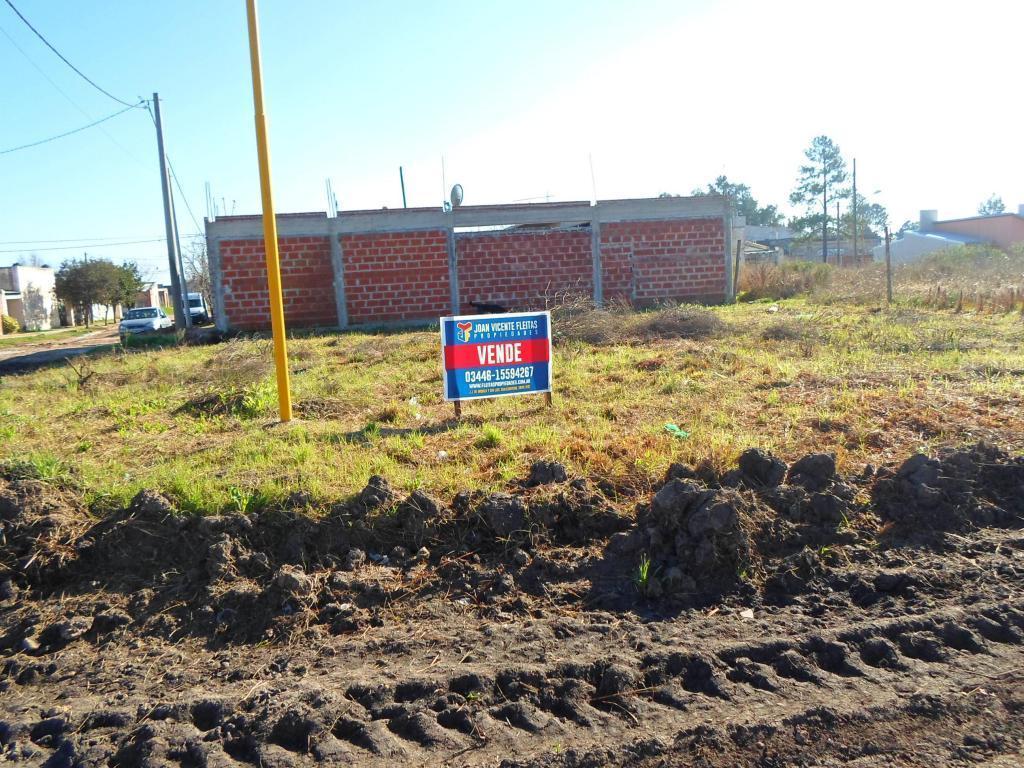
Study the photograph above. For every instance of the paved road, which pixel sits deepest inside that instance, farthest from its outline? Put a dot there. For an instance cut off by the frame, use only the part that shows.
(34, 354)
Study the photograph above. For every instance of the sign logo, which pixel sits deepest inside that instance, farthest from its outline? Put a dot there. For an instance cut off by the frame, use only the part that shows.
(496, 355)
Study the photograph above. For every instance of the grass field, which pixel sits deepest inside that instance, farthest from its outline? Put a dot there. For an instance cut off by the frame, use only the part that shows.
(198, 423)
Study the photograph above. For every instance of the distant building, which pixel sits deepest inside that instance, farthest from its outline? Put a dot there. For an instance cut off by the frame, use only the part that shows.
(153, 295)
(29, 296)
(1001, 230)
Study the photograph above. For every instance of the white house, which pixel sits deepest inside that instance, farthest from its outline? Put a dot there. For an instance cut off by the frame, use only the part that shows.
(29, 296)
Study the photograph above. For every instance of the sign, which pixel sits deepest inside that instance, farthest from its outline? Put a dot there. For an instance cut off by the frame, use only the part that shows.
(496, 355)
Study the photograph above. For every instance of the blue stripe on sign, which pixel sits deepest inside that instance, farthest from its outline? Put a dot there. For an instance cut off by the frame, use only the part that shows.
(459, 388)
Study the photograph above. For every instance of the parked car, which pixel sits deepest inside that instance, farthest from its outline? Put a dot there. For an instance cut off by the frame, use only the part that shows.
(197, 308)
(142, 320)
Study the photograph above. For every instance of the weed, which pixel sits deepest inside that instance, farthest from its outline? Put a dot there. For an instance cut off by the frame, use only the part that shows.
(642, 577)
(246, 500)
(490, 437)
(38, 466)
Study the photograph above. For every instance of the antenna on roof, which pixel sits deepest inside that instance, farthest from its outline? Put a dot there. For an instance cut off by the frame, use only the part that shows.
(456, 196)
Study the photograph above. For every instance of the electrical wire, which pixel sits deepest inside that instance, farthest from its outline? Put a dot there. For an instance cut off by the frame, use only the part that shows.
(60, 90)
(82, 246)
(106, 93)
(69, 133)
(184, 197)
(84, 240)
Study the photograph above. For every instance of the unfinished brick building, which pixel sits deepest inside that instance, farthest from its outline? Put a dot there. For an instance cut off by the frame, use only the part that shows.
(381, 267)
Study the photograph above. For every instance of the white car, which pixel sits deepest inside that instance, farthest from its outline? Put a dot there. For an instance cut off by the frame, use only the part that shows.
(142, 320)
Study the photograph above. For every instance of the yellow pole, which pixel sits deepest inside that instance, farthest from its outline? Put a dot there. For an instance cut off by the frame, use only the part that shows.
(284, 394)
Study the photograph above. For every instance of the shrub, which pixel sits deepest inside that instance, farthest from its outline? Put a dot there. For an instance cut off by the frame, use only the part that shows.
(783, 281)
(620, 324)
(10, 325)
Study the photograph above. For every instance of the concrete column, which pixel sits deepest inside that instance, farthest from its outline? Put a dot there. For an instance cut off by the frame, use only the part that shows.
(595, 255)
(730, 246)
(453, 267)
(216, 282)
(338, 265)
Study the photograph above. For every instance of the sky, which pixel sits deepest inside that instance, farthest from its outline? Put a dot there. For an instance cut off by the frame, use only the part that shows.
(526, 100)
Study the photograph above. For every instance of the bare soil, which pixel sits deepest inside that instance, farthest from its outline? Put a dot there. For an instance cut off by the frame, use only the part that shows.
(774, 615)
(38, 350)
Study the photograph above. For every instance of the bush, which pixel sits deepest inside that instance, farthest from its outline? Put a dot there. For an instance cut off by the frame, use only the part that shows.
(620, 324)
(768, 281)
(10, 324)
(982, 272)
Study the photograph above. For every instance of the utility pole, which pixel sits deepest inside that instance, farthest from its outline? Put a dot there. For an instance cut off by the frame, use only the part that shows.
(839, 245)
(855, 209)
(888, 266)
(172, 241)
(824, 210)
(181, 265)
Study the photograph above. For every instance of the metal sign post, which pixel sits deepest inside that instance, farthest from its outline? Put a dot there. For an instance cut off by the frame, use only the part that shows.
(284, 395)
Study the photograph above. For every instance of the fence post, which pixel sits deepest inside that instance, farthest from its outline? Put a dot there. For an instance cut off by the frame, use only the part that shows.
(736, 270)
(888, 267)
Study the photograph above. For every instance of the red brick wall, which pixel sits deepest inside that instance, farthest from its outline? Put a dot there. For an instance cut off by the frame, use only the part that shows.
(399, 276)
(651, 261)
(396, 276)
(307, 282)
(518, 269)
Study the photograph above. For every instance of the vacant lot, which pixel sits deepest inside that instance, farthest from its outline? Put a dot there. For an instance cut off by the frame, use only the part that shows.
(199, 423)
(574, 586)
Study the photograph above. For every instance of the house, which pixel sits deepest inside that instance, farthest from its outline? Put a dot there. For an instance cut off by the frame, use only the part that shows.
(29, 296)
(1001, 230)
(153, 295)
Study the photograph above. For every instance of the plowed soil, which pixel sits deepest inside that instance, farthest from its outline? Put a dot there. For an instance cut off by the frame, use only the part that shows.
(776, 615)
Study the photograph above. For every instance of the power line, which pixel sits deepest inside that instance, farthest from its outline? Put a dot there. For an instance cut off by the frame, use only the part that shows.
(59, 54)
(60, 90)
(82, 246)
(62, 240)
(184, 197)
(69, 133)
(79, 245)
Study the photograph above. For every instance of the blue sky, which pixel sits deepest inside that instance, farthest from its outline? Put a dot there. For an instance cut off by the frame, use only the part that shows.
(517, 96)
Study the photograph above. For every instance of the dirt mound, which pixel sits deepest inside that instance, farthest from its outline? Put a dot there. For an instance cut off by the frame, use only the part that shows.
(959, 489)
(746, 530)
(765, 528)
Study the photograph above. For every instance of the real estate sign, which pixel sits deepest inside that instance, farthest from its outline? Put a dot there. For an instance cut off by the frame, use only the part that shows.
(496, 355)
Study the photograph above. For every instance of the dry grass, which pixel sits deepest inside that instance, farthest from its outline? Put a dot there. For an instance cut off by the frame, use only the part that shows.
(578, 320)
(869, 384)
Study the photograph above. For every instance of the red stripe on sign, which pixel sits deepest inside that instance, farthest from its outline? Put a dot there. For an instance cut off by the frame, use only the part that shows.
(487, 355)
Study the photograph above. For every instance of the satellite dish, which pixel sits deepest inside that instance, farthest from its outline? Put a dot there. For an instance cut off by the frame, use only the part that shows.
(456, 196)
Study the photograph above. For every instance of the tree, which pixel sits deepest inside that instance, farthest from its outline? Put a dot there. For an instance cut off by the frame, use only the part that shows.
(871, 217)
(746, 205)
(908, 226)
(197, 270)
(992, 207)
(88, 282)
(818, 186)
(127, 284)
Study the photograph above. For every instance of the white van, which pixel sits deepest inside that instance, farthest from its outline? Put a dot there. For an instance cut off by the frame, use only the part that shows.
(198, 309)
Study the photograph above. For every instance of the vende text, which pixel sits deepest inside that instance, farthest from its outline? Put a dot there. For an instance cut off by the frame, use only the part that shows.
(495, 354)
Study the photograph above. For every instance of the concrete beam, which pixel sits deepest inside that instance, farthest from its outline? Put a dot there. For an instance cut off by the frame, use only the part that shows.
(412, 219)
